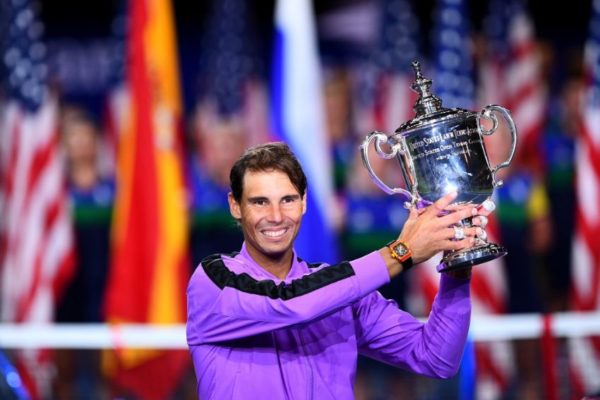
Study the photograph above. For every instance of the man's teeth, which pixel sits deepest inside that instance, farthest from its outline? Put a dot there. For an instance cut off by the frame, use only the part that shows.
(274, 233)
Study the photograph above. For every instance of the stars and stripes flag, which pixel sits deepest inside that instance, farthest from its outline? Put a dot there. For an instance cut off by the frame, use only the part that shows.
(496, 367)
(492, 63)
(511, 73)
(385, 98)
(525, 90)
(453, 82)
(585, 352)
(149, 262)
(298, 119)
(37, 252)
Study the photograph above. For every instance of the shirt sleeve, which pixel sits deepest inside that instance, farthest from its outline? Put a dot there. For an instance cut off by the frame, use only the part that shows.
(433, 348)
(223, 305)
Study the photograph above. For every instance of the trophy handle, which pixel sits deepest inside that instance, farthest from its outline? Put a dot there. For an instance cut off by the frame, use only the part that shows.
(380, 138)
(488, 113)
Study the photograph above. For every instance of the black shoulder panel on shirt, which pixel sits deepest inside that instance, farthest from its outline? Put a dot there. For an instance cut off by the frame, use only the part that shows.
(310, 265)
(216, 270)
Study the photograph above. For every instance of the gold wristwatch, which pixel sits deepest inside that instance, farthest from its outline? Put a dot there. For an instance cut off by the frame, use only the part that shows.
(401, 253)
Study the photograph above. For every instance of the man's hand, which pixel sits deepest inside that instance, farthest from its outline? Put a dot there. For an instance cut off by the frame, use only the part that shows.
(431, 230)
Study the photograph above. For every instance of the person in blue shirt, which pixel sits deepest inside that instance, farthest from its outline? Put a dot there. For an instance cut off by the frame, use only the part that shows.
(558, 149)
(215, 144)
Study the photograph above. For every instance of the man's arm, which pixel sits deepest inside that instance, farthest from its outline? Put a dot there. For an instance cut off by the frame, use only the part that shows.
(225, 306)
(434, 348)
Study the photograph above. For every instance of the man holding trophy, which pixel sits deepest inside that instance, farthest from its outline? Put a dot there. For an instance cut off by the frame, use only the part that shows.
(263, 322)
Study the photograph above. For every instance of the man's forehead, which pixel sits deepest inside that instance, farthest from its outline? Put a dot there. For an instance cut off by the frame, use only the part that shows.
(266, 183)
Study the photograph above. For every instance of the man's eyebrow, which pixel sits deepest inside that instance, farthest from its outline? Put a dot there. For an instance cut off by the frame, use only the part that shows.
(257, 198)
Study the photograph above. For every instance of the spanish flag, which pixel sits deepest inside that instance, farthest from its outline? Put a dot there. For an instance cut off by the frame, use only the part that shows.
(149, 266)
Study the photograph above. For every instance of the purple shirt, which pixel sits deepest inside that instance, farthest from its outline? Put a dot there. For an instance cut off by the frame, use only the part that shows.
(252, 335)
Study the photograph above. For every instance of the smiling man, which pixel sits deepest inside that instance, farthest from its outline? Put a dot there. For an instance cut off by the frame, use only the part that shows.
(263, 323)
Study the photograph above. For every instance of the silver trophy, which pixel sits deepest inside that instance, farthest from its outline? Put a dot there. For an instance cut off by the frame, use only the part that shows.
(442, 150)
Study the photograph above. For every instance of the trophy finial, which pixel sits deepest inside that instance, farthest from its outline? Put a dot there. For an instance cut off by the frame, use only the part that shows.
(427, 103)
(417, 67)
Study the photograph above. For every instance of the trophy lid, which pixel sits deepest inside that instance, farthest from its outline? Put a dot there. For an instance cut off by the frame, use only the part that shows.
(428, 107)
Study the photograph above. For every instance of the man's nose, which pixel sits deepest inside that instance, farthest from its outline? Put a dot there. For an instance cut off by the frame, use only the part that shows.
(275, 214)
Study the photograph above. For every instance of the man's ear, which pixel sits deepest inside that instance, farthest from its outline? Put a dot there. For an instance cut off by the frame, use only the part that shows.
(234, 207)
(304, 203)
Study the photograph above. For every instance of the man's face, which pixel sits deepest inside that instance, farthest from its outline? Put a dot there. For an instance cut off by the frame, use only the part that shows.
(270, 212)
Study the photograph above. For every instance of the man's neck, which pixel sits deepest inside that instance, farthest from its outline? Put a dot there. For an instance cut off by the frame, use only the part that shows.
(276, 265)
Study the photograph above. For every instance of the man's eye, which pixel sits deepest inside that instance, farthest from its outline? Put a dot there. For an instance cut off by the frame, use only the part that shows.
(259, 202)
(288, 200)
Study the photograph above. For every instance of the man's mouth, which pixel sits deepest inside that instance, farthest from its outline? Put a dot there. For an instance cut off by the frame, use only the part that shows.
(275, 233)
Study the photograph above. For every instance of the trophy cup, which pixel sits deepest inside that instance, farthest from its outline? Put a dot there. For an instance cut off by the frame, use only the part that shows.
(442, 150)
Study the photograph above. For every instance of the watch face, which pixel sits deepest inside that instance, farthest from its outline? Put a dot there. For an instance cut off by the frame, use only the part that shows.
(401, 249)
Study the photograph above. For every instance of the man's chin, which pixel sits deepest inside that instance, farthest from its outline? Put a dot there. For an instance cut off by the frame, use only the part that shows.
(276, 254)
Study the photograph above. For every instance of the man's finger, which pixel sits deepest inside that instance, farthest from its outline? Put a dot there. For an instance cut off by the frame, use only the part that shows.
(487, 207)
(458, 206)
(443, 202)
(456, 216)
(452, 234)
(480, 220)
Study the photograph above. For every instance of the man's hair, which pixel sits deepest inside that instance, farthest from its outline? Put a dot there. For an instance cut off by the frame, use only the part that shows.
(274, 156)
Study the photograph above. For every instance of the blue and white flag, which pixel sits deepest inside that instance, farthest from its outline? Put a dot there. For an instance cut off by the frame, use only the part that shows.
(299, 120)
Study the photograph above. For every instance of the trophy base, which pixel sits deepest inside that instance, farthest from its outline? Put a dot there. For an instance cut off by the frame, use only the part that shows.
(466, 258)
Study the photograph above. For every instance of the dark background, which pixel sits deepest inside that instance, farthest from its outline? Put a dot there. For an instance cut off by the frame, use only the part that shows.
(562, 27)
(560, 22)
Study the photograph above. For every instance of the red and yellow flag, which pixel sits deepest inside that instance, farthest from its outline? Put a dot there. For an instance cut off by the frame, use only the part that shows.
(149, 268)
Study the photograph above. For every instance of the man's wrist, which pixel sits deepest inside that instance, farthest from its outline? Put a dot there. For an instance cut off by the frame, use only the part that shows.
(401, 252)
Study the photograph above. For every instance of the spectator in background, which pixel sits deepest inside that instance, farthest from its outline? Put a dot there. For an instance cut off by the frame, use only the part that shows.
(525, 230)
(343, 142)
(216, 144)
(559, 151)
(91, 195)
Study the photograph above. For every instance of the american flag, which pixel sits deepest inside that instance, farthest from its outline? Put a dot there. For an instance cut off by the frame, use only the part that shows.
(385, 98)
(511, 74)
(491, 88)
(38, 253)
(232, 85)
(525, 90)
(585, 352)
